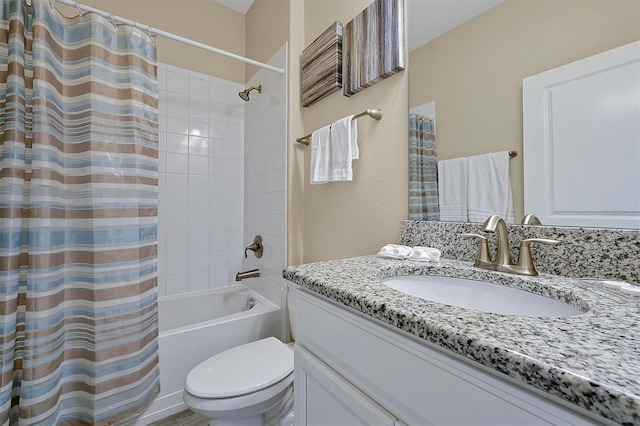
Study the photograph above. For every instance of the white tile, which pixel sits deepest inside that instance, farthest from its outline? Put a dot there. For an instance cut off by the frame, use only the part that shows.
(177, 103)
(217, 222)
(177, 243)
(198, 184)
(218, 204)
(198, 261)
(235, 222)
(177, 264)
(198, 243)
(162, 225)
(199, 107)
(218, 130)
(235, 186)
(179, 70)
(199, 86)
(218, 259)
(177, 123)
(198, 224)
(177, 224)
(198, 281)
(218, 184)
(162, 183)
(234, 240)
(177, 82)
(198, 165)
(236, 168)
(177, 163)
(177, 183)
(198, 127)
(198, 204)
(162, 203)
(218, 92)
(218, 278)
(236, 150)
(177, 284)
(162, 245)
(219, 148)
(199, 145)
(177, 143)
(236, 114)
(236, 132)
(219, 111)
(217, 241)
(162, 77)
(177, 204)
(162, 142)
(235, 204)
(218, 166)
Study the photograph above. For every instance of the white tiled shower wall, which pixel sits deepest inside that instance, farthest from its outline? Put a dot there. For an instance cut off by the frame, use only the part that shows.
(222, 180)
(265, 178)
(201, 181)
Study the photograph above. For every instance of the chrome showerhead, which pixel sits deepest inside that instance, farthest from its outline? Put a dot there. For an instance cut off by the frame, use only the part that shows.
(244, 95)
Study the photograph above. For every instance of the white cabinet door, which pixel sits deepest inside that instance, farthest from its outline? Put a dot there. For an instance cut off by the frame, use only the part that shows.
(582, 141)
(324, 398)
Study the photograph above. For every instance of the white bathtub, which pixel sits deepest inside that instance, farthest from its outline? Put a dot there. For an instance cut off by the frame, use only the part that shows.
(197, 325)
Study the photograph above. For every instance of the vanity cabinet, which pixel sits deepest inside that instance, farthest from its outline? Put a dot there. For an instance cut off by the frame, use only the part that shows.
(350, 369)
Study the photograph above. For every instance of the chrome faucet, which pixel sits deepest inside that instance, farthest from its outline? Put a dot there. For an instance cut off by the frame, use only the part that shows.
(252, 273)
(502, 262)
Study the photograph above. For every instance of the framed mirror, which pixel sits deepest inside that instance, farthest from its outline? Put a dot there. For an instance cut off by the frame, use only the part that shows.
(473, 71)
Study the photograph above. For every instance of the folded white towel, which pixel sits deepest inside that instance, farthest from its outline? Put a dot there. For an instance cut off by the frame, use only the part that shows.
(320, 155)
(452, 189)
(395, 251)
(344, 149)
(424, 254)
(489, 186)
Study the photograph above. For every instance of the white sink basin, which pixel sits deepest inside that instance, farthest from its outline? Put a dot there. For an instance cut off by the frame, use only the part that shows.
(480, 295)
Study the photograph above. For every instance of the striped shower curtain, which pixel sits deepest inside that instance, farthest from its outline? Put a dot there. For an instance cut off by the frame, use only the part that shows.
(423, 169)
(78, 203)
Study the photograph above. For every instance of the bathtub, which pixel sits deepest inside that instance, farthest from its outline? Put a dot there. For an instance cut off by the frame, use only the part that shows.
(197, 325)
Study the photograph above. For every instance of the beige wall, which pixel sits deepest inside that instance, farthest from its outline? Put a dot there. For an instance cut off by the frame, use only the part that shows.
(267, 25)
(350, 218)
(201, 20)
(474, 72)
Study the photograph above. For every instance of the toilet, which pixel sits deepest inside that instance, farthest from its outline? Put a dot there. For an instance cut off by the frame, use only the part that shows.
(248, 385)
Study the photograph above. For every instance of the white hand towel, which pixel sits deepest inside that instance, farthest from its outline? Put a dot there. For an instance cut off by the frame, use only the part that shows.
(394, 251)
(424, 254)
(344, 149)
(320, 155)
(489, 187)
(452, 189)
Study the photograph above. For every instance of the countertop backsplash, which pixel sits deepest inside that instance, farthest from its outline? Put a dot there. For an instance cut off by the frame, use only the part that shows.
(612, 254)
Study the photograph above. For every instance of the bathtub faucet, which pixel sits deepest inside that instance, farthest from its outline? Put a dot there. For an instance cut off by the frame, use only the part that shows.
(253, 273)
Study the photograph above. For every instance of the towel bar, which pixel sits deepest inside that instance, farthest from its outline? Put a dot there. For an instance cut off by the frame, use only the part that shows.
(373, 113)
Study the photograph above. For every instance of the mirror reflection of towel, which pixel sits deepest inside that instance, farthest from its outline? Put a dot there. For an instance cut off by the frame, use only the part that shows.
(489, 187)
(452, 189)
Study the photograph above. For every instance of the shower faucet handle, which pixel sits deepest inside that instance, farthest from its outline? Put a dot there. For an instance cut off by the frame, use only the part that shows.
(257, 247)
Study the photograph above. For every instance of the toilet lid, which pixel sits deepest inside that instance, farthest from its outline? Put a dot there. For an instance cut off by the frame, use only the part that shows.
(241, 370)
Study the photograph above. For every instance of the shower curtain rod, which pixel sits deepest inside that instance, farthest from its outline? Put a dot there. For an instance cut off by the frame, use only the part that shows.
(170, 35)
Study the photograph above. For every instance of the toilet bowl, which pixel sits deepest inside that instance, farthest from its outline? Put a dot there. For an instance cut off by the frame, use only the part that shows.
(248, 385)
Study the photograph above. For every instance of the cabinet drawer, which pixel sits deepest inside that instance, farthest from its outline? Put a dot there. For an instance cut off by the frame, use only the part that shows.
(416, 383)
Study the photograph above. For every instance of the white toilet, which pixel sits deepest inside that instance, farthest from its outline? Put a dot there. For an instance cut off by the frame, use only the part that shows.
(249, 385)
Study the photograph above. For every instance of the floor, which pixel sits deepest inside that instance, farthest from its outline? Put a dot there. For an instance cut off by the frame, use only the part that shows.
(183, 418)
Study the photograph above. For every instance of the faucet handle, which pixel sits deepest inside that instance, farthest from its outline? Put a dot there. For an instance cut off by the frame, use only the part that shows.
(525, 261)
(483, 248)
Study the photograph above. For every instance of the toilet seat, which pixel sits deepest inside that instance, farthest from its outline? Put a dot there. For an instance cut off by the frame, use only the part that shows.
(242, 371)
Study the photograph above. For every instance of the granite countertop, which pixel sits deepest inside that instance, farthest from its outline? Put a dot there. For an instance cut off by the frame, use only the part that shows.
(591, 360)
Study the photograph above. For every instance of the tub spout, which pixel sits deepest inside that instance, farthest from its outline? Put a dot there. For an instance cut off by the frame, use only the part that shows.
(253, 273)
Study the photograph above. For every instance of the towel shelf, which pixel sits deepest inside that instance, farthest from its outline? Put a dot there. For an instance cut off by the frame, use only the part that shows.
(373, 113)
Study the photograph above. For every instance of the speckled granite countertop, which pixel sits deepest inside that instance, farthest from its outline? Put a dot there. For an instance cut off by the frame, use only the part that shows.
(591, 360)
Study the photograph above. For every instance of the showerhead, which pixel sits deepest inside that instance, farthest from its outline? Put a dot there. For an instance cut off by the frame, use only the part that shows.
(244, 95)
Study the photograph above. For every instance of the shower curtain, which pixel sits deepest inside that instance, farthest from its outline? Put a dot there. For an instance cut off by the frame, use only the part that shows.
(423, 169)
(78, 203)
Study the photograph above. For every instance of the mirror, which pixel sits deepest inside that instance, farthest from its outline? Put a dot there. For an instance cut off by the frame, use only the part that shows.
(473, 69)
